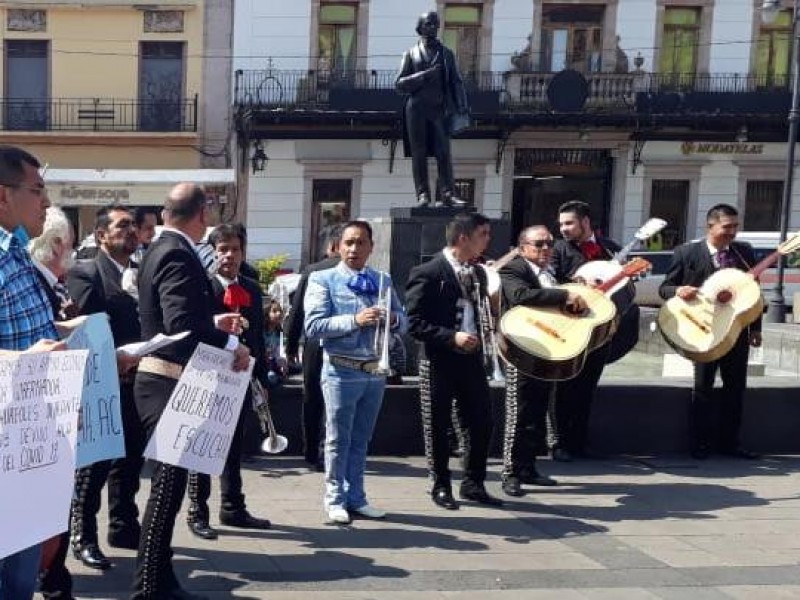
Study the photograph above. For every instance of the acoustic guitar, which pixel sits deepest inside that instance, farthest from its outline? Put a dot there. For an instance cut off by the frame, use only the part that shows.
(706, 328)
(551, 344)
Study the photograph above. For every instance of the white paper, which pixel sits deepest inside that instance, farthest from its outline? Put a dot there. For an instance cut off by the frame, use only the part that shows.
(40, 399)
(196, 428)
(158, 341)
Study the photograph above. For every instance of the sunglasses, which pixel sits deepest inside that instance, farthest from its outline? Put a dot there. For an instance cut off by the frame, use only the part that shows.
(541, 244)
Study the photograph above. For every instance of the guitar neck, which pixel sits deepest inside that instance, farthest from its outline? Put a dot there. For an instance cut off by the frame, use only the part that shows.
(765, 264)
(611, 282)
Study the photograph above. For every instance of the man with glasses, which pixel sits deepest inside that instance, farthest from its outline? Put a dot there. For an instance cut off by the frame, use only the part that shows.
(26, 318)
(527, 280)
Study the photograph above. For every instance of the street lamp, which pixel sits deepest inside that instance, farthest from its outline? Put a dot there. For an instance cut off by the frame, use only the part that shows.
(776, 310)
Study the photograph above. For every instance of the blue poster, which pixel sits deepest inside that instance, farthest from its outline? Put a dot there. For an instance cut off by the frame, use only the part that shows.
(100, 435)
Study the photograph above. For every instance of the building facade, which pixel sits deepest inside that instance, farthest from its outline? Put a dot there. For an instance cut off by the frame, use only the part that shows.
(110, 94)
(640, 107)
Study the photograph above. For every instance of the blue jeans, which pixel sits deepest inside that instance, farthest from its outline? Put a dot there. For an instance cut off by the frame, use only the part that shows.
(19, 574)
(352, 402)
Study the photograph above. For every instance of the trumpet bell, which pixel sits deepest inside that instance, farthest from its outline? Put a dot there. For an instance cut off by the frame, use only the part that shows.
(274, 444)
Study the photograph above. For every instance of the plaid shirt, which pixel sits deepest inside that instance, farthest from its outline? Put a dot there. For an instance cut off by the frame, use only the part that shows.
(25, 315)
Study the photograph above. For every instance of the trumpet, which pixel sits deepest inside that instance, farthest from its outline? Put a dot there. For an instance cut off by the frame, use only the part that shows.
(382, 329)
(488, 334)
(274, 443)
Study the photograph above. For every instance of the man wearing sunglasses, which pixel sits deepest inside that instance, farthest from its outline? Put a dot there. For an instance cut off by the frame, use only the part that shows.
(527, 280)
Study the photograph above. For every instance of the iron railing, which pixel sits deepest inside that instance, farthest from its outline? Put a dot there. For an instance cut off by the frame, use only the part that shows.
(516, 90)
(98, 114)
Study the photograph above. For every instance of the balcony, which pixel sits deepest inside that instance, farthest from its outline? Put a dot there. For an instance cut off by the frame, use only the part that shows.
(108, 115)
(511, 99)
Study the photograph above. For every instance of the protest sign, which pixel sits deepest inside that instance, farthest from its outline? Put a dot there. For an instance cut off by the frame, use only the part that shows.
(39, 406)
(101, 436)
(196, 427)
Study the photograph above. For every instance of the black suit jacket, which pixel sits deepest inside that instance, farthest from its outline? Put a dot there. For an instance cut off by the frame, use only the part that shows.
(96, 287)
(692, 265)
(175, 295)
(521, 287)
(253, 336)
(294, 322)
(567, 257)
(432, 292)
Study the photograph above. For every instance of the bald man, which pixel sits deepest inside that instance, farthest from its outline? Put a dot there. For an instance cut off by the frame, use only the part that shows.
(174, 295)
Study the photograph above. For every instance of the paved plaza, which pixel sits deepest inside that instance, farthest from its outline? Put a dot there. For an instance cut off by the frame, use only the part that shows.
(616, 529)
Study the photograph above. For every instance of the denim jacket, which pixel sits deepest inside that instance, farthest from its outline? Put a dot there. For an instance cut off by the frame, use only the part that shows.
(331, 307)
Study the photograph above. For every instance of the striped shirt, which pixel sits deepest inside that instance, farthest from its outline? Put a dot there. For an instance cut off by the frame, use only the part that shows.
(25, 315)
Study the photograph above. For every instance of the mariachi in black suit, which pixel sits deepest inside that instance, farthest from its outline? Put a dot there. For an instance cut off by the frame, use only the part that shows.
(96, 287)
(175, 295)
(527, 399)
(573, 402)
(314, 403)
(233, 503)
(691, 265)
(432, 294)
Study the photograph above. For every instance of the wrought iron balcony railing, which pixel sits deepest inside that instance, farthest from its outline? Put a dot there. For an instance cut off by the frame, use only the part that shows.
(513, 90)
(98, 114)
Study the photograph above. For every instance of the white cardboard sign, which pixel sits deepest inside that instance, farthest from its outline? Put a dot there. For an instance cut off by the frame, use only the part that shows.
(40, 400)
(197, 425)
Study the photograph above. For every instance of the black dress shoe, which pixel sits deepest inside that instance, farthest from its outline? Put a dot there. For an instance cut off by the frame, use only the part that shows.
(423, 200)
(512, 486)
(740, 452)
(453, 201)
(243, 519)
(91, 556)
(202, 530)
(533, 477)
(562, 455)
(124, 538)
(444, 498)
(478, 493)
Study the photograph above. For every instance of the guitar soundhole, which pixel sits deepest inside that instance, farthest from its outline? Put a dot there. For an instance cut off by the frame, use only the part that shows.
(724, 296)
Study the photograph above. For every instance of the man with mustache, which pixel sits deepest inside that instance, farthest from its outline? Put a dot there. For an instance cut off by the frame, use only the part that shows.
(692, 264)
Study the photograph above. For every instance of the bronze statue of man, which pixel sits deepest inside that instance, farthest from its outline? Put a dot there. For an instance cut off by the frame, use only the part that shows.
(435, 109)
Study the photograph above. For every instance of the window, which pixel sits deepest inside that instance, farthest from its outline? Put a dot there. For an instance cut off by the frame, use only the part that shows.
(680, 43)
(773, 51)
(669, 201)
(337, 37)
(330, 207)
(463, 188)
(462, 32)
(572, 37)
(762, 205)
(27, 93)
(161, 86)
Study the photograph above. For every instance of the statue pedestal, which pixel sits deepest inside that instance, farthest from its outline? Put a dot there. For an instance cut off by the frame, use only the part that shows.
(409, 236)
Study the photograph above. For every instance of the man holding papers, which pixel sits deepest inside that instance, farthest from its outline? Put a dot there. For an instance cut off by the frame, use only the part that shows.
(96, 287)
(175, 295)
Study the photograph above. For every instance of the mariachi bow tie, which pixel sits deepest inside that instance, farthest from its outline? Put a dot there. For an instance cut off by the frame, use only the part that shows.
(363, 284)
(591, 250)
(236, 297)
(726, 259)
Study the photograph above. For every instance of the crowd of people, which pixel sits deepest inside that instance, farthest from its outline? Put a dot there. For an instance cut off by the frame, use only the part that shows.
(341, 310)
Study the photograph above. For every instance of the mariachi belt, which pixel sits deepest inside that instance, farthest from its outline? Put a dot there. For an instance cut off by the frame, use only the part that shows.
(367, 366)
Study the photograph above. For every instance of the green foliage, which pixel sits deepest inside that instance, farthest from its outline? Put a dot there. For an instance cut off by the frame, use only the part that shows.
(267, 267)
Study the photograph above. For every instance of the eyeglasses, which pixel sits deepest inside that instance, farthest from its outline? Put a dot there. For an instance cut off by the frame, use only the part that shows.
(540, 244)
(36, 191)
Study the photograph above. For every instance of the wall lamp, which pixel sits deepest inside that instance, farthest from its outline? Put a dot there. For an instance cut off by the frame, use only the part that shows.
(259, 158)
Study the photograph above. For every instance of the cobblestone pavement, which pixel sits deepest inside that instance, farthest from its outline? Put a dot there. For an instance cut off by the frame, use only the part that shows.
(626, 528)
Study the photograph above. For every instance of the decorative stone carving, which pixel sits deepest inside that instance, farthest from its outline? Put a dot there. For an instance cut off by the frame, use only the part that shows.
(163, 21)
(24, 19)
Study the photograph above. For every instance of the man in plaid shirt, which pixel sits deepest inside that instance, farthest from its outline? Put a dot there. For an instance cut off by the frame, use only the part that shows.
(26, 321)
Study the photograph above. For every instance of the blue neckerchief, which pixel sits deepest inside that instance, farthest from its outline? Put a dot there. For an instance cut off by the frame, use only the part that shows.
(363, 284)
(22, 235)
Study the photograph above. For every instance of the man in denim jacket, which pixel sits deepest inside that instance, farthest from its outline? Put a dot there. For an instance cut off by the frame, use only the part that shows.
(341, 309)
